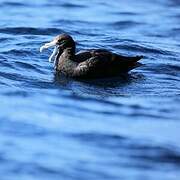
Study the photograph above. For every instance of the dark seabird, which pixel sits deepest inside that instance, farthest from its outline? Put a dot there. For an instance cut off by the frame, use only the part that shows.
(95, 63)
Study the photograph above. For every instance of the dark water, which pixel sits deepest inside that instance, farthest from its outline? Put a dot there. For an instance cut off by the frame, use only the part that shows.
(115, 129)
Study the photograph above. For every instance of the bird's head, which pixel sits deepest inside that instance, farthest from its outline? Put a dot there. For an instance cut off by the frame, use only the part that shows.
(59, 43)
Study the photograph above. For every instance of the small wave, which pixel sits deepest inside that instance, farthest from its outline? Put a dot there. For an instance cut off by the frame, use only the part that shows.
(27, 66)
(67, 5)
(71, 5)
(20, 128)
(157, 155)
(12, 76)
(110, 139)
(176, 31)
(142, 49)
(17, 93)
(30, 31)
(5, 40)
(167, 69)
(80, 23)
(124, 13)
(173, 3)
(13, 4)
(125, 24)
(39, 84)
(16, 52)
(4, 63)
(136, 148)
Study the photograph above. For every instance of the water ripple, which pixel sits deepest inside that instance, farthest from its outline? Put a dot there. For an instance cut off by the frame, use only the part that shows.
(30, 31)
(13, 4)
(53, 127)
(125, 24)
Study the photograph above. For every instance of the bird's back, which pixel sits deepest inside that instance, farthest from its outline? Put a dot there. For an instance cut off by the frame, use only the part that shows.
(102, 63)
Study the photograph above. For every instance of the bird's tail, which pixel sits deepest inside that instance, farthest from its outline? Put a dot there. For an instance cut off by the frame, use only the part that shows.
(134, 59)
(133, 62)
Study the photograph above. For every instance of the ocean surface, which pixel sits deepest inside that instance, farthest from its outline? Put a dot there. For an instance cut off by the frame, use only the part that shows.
(124, 128)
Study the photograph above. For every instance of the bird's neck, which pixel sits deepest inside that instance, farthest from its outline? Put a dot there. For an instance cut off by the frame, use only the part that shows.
(66, 62)
(69, 53)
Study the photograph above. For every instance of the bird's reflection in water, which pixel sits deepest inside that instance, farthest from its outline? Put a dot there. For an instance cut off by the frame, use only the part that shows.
(115, 86)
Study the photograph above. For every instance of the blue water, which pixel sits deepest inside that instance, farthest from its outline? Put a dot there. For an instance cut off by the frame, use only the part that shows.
(115, 129)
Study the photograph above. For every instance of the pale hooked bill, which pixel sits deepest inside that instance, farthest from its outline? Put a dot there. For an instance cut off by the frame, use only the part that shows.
(52, 57)
(48, 45)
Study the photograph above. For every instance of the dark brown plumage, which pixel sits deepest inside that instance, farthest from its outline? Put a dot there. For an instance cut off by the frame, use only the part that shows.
(89, 64)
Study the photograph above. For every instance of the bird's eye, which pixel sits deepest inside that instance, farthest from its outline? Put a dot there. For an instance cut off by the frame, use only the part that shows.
(62, 41)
